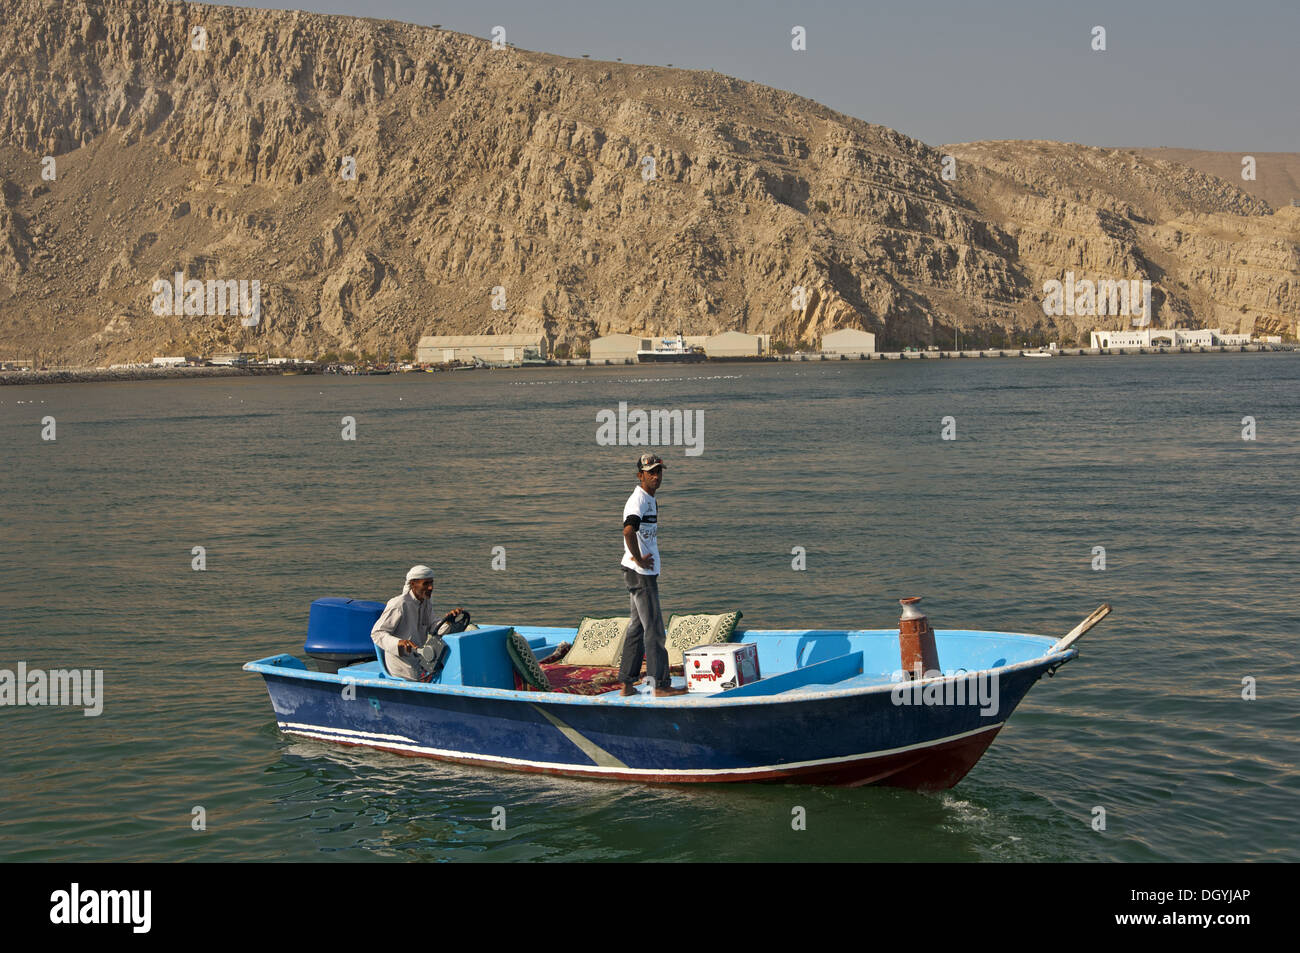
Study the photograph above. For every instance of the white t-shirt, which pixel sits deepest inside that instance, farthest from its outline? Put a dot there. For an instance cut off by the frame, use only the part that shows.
(642, 505)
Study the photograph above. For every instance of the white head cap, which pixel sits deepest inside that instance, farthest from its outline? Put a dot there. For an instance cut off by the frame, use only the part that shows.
(419, 572)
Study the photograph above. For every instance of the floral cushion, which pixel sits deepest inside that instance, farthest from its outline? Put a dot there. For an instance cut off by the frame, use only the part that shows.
(525, 662)
(598, 642)
(687, 631)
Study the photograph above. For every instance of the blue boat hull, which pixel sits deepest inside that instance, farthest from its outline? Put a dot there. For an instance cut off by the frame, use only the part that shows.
(832, 737)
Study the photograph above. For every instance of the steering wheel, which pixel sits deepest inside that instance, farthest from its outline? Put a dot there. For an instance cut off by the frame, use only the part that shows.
(456, 623)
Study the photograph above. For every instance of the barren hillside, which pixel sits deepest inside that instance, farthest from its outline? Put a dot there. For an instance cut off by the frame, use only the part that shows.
(1277, 174)
(211, 141)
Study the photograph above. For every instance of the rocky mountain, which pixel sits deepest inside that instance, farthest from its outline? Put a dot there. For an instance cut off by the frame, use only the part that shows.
(1276, 174)
(382, 180)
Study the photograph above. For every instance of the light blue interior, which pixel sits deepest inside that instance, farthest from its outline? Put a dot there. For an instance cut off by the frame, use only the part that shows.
(477, 657)
(789, 660)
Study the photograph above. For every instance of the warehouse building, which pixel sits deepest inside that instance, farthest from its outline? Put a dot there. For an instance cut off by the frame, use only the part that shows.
(230, 358)
(446, 348)
(849, 341)
(736, 344)
(618, 347)
(728, 344)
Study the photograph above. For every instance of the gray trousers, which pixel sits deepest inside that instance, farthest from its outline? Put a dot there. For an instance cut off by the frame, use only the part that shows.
(645, 637)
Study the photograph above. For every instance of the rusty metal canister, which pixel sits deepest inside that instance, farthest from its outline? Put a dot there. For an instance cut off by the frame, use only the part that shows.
(916, 641)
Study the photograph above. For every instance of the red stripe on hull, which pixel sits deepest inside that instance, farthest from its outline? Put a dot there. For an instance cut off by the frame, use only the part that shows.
(926, 769)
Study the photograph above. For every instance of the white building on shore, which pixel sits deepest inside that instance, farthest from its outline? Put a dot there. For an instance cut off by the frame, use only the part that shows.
(446, 348)
(736, 344)
(618, 347)
(849, 341)
(1169, 337)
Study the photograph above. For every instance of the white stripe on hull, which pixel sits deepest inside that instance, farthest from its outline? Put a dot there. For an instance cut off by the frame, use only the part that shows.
(402, 743)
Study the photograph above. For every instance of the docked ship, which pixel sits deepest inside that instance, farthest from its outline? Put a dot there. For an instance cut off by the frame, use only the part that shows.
(671, 351)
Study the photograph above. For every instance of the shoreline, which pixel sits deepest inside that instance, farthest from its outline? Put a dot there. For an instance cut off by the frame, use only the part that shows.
(948, 355)
(97, 375)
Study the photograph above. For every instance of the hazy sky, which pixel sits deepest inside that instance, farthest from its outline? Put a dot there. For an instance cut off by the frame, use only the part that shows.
(1193, 74)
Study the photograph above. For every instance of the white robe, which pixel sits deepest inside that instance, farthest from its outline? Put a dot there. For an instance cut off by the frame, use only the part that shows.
(405, 617)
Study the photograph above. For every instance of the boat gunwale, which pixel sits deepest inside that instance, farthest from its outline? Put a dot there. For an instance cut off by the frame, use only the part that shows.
(268, 666)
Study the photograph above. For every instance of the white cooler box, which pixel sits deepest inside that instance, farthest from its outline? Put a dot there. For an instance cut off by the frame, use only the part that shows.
(715, 668)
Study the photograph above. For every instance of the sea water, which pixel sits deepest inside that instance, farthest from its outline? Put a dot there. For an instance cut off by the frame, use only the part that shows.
(821, 494)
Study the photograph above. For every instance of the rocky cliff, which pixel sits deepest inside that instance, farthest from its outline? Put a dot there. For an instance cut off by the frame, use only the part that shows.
(381, 181)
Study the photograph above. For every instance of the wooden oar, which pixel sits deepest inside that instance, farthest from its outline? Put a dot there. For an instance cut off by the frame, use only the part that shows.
(1076, 633)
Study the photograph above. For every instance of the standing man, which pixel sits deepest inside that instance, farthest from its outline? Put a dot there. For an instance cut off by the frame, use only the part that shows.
(403, 625)
(645, 637)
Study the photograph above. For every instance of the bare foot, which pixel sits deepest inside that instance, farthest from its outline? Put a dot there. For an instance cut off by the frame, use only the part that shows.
(628, 689)
(662, 692)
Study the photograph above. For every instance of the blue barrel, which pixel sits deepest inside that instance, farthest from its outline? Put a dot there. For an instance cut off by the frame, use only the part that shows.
(338, 631)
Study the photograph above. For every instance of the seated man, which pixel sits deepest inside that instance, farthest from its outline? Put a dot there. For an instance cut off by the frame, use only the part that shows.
(404, 625)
